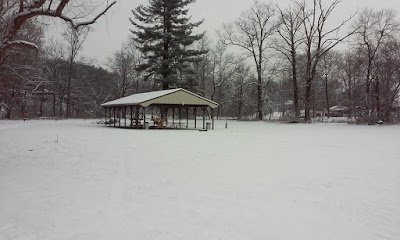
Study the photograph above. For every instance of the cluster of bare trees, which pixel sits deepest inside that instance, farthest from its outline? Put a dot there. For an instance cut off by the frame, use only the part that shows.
(278, 45)
(15, 15)
(55, 82)
(371, 73)
(34, 72)
(273, 59)
(290, 64)
(51, 82)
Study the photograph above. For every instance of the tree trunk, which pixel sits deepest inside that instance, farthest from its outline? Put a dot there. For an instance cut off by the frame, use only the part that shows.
(240, 105)
(34, 106)
(165, 84)
(54, 105)
(41, 103)
(378, 100)
(350, 96)
(8, 112)
(61, 108)
(327, 96)
(203, 80)
(368, 103)
(311, 72)
(220, 108)
(69, 88)
(23, 107)
(295, 85)
(259, 95)
(167, 29)
(307, 101)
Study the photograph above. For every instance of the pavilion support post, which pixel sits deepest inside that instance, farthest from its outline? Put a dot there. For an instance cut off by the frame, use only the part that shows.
(109, 113)
(105, 116)
(131, 108)
(137, 116)
(195, 117)
(187, 117)
(161, 114)
(204, 118)
(212, 118)
(108, 116)
(114, 116)
(144, 118)
(119, 116)
(125, 116)
(180, 116)
(109, 110)
(166, 117)
(173, 116)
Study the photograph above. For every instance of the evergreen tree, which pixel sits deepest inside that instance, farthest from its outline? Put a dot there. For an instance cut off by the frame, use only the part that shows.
(163, 33)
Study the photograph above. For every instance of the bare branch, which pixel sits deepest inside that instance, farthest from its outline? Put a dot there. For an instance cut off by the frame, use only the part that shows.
(18, 43)
(19, 18)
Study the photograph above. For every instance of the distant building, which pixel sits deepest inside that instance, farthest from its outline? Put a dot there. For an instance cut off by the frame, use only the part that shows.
(339, 111)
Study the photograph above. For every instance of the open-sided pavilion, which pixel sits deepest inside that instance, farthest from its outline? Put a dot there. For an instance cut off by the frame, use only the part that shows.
(166, 108)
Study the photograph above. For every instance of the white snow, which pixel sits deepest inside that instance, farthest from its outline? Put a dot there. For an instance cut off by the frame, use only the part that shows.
(72, 179)
(140, 97)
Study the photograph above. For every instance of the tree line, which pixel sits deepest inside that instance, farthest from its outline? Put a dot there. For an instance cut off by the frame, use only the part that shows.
(287, 60)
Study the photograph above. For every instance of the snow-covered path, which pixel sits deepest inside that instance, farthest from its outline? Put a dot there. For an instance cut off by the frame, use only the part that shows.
(250, 181)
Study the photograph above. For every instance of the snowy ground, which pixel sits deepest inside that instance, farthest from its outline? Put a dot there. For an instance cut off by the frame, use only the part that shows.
(251, 181)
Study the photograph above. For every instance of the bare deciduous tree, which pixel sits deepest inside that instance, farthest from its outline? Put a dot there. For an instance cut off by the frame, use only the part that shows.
(373, 30)
(387, 92)
(223, 67)
(242, 79)
(318, 41)
(54, 59)
(252, 32)
(19, 70)
(328, 70)
(16, 14)
(75, 37)
(201, 65)
(290, 23)
(123, 63)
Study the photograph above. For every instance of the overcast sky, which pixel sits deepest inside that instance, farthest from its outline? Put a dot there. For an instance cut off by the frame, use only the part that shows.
(110, 31)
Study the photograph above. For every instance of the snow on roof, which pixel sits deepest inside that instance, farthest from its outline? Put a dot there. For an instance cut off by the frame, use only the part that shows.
(138, 98)
(148, 98)
(339, 108)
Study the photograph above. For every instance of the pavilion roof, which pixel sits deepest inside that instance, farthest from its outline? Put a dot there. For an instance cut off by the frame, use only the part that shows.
(177, 97)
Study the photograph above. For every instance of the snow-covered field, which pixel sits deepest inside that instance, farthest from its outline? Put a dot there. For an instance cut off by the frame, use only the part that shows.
(254, 180)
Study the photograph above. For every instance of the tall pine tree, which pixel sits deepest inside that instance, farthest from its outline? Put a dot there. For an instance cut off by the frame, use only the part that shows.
(164, 34)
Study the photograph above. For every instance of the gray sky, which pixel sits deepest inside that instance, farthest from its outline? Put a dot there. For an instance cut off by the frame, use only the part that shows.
(110, 31)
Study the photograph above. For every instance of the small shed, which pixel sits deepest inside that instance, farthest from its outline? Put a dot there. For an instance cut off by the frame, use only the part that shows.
(164, 109)
(339, 111)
